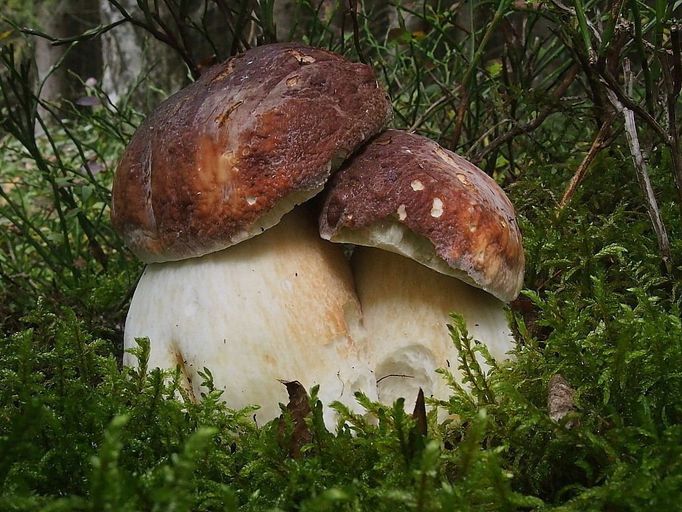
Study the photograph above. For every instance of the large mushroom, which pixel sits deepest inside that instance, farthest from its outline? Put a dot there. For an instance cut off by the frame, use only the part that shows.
(436, 235)
(217, 164)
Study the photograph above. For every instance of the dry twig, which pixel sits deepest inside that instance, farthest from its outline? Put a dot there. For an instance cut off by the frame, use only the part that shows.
(599, 143)
(642, 172)
(520, 129)
(419, 413)
(299, 408)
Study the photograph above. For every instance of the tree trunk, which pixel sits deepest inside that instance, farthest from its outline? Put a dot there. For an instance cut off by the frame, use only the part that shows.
(122, 58)
(53, 19)
(60, 73)
(285, 13)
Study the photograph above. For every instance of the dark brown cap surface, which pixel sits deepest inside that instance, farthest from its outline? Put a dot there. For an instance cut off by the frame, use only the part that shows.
(226, 157)
(442, 207)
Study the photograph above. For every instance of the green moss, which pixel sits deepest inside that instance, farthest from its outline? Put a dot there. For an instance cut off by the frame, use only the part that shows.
(79, 432)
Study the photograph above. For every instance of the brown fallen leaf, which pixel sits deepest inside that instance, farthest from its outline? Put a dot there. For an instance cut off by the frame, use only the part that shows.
(299, 408)
(561, 400)
(419, 413)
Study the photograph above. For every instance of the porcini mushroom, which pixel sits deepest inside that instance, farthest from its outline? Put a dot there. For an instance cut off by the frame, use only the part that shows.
(213, 166)
(436, 235)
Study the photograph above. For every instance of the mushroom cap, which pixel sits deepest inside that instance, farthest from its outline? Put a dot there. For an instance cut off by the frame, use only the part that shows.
(226, 157)
(406, 194)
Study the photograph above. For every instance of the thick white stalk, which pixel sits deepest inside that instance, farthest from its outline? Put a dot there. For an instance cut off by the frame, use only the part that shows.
(406, 308)
(277, 307)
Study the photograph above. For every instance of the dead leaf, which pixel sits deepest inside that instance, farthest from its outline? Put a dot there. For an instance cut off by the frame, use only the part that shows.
(419, 413)
(299, 408)
(561, 400)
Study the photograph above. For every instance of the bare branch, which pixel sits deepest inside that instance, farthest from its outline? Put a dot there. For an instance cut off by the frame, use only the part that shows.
(643, 175)
(471, 70)
(436, 105)
(630, 104)
(535, 123)
(598, 144)
(672, 79)
(353, 11)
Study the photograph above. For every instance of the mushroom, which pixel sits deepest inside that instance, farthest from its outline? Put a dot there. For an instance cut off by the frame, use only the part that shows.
(436, 235)
(212, 168)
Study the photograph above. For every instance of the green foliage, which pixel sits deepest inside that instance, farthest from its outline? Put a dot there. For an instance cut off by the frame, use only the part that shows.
(79, 432)
(55, 179)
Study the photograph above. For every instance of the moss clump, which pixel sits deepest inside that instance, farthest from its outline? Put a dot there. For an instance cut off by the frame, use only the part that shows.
(78, 432)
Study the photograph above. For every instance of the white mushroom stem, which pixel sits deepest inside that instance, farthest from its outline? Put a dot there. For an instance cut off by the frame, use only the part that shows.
(406, 309)
(277, 307)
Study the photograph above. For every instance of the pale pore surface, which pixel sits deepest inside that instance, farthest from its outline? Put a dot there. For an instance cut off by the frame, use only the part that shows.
(276, 307)
(398, 238)
(406, 309)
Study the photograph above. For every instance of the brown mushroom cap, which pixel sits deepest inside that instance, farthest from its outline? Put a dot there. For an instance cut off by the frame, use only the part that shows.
(226, 157)
(406, 194)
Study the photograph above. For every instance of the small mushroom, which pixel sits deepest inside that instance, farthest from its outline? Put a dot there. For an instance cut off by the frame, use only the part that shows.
(234, 282)
(436, 235)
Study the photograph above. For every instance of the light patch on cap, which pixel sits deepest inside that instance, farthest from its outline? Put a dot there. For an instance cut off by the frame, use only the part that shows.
(417, 185)
(437, 207)
(480, 257)
(226, 168)
(445, 157)
(251, 200)
(461, 177)
(402, 214)
(302, 58)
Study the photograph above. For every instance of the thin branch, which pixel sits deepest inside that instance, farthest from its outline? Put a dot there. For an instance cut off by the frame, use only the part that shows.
(598, 144)
(436, 105)
(535, 123)
(236, 37)
(468, 76)
(639, 45)
(493, 129)
(83, 36)
(672, 78)
(643, 175)
(459, 117)
(165, 35)
(353, 11)
(630, 104)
